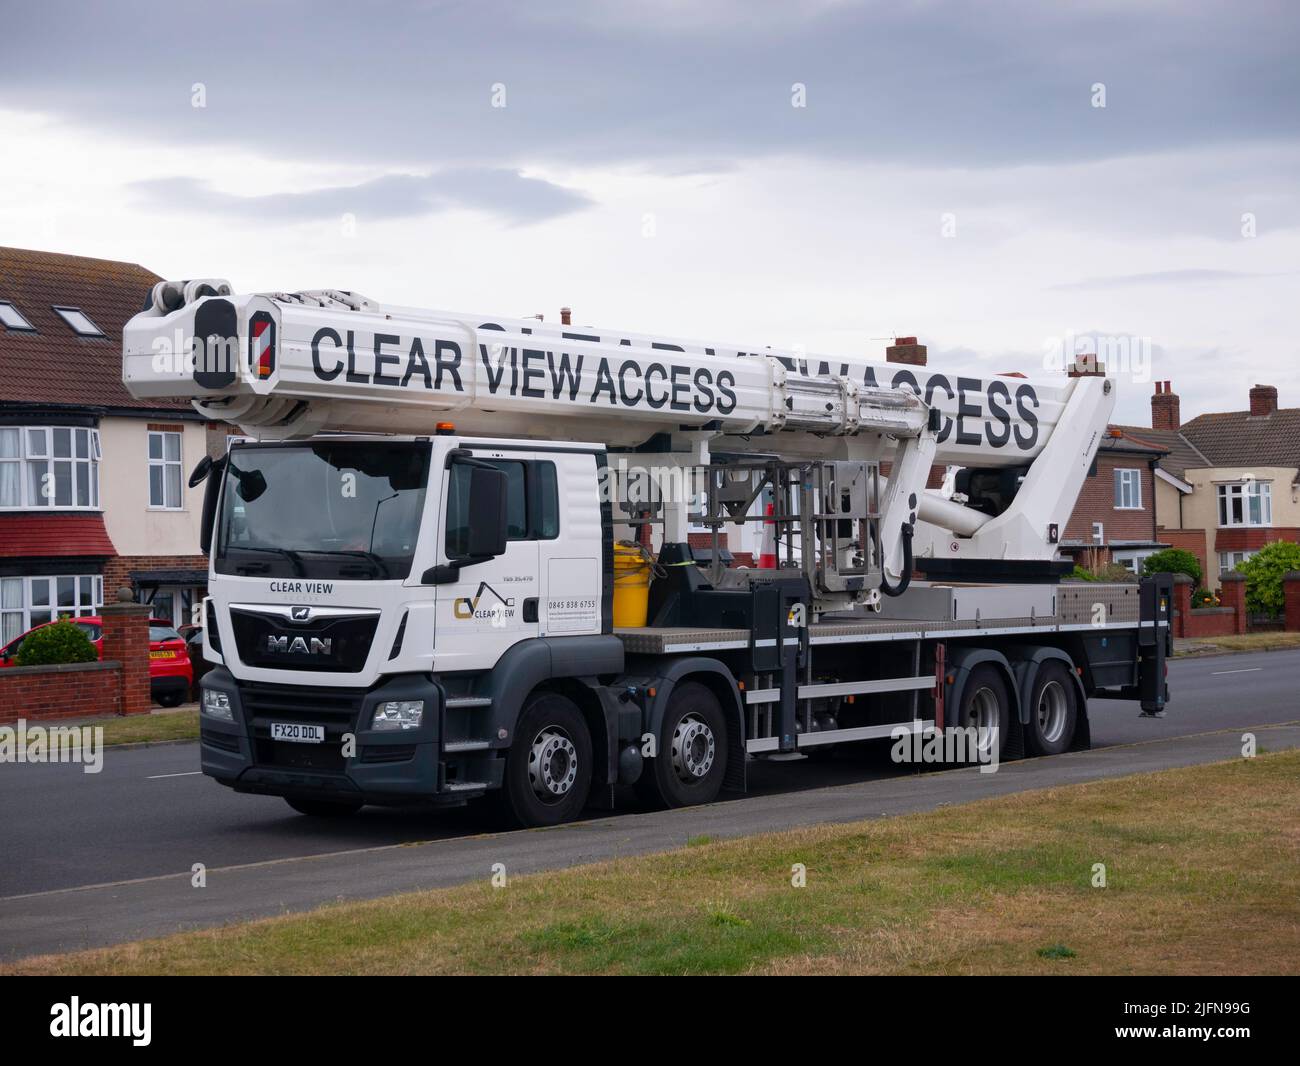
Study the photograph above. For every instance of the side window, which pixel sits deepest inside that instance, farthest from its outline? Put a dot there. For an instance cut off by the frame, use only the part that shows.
(532, 503)
(548, 502)
(516, 501)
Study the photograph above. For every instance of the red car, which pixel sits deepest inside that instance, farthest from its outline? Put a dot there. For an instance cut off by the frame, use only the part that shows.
(170, 673)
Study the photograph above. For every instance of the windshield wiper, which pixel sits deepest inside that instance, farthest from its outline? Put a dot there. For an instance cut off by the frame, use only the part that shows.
(288, 553)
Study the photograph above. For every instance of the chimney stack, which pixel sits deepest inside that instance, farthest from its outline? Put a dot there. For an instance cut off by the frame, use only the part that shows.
(905, 350)
(565, 315)
(1263, 400)
(1086, 365)
(1165, 413)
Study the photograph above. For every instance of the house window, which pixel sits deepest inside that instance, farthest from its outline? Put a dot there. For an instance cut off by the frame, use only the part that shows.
(79, 321)
(1098, 533)
(1128, 490)
(1133, 560)
(1229, 560)
(1247, 503)
(26, 602)
(49, 466)
(165, 470)
(13, 319)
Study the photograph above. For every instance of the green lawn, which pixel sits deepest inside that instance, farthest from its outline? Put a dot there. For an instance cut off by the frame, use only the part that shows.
(142, 728)
(1201, 864)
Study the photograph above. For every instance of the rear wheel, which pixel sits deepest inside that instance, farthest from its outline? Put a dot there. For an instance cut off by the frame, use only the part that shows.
(324, 808)
(548, 770)
(986, 708)
(1053, 709)
(170, 699)
(691, 760)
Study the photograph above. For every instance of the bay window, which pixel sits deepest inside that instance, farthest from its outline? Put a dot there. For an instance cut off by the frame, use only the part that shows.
(32, 601)
(49, 466)
(1246, 503)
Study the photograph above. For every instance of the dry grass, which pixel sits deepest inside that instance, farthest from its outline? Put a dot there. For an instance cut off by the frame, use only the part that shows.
(1201, 866)
(150, 728)
(1269, 641)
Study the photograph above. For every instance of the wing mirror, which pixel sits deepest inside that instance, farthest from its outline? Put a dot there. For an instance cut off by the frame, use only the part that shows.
(487, 525)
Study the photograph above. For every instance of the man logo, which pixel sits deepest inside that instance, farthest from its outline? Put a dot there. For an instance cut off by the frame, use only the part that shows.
(300, 614)
(299, 646)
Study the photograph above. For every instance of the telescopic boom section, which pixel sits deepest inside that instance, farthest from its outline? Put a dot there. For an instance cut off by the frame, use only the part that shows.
(288, 365)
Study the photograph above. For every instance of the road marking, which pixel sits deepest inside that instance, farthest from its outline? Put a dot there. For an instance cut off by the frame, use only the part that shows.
(159, 777)
(1250, 670)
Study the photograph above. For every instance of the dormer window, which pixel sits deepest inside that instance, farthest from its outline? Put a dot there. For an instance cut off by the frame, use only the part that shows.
(80, 322)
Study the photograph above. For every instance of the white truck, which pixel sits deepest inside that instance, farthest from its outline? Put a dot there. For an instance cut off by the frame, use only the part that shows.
(413, 558)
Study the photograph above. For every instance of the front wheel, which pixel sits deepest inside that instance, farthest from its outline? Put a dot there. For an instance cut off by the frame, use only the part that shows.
(548, 770)
(691, 760)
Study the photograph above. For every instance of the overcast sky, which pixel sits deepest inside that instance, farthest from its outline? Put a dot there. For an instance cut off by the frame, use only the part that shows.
(824, 174)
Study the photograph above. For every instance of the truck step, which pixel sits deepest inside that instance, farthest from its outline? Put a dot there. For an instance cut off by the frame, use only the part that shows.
(466, 786)
(455, 747)
(463, 702)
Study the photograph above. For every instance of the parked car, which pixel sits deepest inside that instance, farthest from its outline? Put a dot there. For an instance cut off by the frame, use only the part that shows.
(170, 673)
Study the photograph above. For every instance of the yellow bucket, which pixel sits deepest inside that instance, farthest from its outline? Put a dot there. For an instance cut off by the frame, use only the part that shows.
(631, 586)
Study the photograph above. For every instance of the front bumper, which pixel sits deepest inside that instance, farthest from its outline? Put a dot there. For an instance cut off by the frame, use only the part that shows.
(386, 767)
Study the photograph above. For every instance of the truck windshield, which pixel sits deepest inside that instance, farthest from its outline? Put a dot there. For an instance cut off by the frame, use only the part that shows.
(346, 509)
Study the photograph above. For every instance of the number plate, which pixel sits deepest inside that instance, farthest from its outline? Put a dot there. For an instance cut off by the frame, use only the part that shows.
(298, 734)
(162, 655)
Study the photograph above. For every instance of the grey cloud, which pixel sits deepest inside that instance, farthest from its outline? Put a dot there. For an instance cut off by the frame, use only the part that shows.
(934, 84)
(505, 193)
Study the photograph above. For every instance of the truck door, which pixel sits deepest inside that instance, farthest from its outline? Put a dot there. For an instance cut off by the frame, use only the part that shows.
(490, 605)
(569, 542)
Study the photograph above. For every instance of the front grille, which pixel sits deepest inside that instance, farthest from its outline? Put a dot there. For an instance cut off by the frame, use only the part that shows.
(335, 709)
(337, 643)
(302, 703)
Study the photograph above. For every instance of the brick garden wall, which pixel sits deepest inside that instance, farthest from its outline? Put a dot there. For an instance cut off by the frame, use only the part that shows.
(73, 690)
(116, 684)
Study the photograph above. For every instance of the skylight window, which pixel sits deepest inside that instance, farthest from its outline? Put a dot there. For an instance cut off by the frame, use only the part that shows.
(13, 318)
(79, 321)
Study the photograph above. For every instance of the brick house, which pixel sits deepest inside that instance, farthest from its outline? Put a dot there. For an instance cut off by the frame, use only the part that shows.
(1232, 480)
(1114, 520)
(93, 492)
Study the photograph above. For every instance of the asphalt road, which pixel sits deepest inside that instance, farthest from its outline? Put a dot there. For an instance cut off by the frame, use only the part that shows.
(92, 859)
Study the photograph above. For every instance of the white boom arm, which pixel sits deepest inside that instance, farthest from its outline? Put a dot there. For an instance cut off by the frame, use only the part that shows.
(291, 365)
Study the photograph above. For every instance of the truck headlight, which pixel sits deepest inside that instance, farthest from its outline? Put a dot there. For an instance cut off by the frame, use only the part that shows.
(217, 704)
(399, 714)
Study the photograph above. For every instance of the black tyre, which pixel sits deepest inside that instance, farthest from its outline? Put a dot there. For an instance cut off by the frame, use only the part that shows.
(691, 760)
(985, 706)
(548, 770)
(170, 699)
(1053, 710)
(323, 808)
